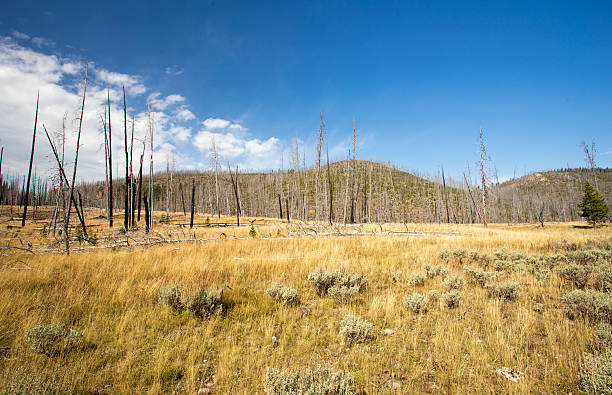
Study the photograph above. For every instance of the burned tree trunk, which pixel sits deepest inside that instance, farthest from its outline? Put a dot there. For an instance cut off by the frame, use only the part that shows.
(146, 214)
(140, 185)
(192, 203)
(280, 207)
(126, 209)
(110, 164)
(25, 203)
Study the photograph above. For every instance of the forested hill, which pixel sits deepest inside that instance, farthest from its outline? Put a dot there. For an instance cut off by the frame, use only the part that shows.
(361, 191)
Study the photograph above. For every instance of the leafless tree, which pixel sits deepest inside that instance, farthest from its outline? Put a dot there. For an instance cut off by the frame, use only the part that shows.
(25, 203)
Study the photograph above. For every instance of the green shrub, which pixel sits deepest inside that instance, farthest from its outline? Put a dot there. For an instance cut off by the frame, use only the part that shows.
(282, 294)
(343, 294)
(53, 339)
(480, 277)
(201, 302)
(602, 338)
(252, 231)
(23, 382)
(596, 306)
(172, 297)
(433, 271)
(506, 255)
(433, 295)
(588, 257)
(452, 299)
(354, 330)
(321, 380)
(205, 302)
(601, 277)
(453, 283)
(578, 275)
(323, 280)
(505, 291)
(596, 374)
(416, 280)
(416, 302)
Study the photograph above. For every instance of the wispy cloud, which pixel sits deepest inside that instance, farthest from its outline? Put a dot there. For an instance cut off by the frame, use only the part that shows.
(174, 70)
(21, 36)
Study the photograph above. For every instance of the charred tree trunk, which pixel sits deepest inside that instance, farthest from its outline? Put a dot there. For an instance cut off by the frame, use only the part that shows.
(126, 208)
(192, 203)
(25, 203)
(146, 207)
(280, 207)
(110, 164)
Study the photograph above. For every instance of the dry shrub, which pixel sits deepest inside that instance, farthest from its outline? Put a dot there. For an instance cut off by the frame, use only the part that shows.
(481, 277)
(452, 299)
(505, 291)
(353, 329)
(596, 374)
(343, 283)
(282, 294)
(596, 306)
(306, 381)
(53, 339)
(416, 302)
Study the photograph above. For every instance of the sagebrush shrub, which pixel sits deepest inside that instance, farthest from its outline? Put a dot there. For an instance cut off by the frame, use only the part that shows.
(453, 283)
(586, 257)
(172, 297)
(596, 374)
(594, 305)
(205, 302)
(433, 295)
(602, 338)
(53, 339)
(480, 277)
(353, 329)
(417, 302)
(505, 291)
(200, 302)
(23, 382)
(434, 271)
(507, 255)
(343, 294)
(575, 274)
(283, 294)
(601, 277)
(452, 299)
(416, 280)
(306, 381)
(323, 280)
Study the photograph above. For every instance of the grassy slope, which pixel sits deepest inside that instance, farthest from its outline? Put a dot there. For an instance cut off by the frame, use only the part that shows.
(138, 345)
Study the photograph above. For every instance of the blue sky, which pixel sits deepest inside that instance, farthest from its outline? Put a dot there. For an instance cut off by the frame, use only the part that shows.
(419, 77)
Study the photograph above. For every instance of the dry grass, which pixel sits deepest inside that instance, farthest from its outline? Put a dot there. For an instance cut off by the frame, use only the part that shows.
(138, 345)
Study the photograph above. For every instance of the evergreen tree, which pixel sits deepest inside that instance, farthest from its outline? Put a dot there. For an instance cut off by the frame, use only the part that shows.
(593, 206)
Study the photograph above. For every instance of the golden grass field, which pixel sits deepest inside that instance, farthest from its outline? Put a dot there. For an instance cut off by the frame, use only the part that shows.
(138, 346)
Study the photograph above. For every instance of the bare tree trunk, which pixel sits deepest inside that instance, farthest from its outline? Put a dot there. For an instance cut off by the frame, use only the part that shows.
(192, 203)
(25, 204)
(110, 163)
(140, 185)
(147, 221)
(151, 122)
(287, 209)
(331, 190)
(280, 207)
(236, 194)
(126, 209)
(76, 160)
(482, 176)
(445, 195)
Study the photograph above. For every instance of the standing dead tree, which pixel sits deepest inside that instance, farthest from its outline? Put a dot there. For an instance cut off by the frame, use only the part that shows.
(25, 202)
(445, 195)
(110, 163)
(234, 179)
(215, 157)
(589, 157)
(151, 127)
(126, 209)
(482, 177)
(331, 189)
(192, 203)
(64, 179)
(76, 161)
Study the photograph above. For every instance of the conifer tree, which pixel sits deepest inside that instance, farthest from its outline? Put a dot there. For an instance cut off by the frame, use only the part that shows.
(593, 206)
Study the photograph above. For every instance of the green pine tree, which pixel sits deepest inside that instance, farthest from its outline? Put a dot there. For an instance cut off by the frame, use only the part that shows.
(593, 206)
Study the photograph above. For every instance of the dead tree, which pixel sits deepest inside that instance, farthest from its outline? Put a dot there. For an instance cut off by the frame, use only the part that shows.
(110, 163)
(151, 125)
(192, 203)
(482, 176)
(215, 157)
(25, 203)
(445, 196)
(146, 206)
(64, 179)
(126, 210)
(76, 160)
(331, 190)
(280, 207)
(1, 182)
(140, 185)
(234, 179)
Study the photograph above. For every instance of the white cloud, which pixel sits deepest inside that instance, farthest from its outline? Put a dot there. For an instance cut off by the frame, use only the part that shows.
(133, 84)
(24, 71)
(184, 114)
(250, 153)
(20, 35)
(216, 123)
(161, 104)
(43, 42)
(174, 70)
